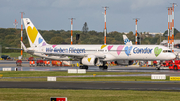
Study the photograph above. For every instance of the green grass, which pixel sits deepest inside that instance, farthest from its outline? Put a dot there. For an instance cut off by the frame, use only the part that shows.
(58, 73)
(43, 74)
(14, 94)
(80, 79)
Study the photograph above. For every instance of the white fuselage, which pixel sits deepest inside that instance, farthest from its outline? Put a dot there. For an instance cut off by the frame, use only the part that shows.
(109, 52)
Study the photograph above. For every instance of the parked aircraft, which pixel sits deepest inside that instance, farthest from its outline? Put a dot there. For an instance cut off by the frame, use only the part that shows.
(92, 55)
(126, 40)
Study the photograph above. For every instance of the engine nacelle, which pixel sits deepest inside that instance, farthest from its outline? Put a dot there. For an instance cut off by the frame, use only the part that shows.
(124, 62)
(90, 60)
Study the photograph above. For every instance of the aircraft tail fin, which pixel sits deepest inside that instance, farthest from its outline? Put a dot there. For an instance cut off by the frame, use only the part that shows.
(126, 40)
(34, 37)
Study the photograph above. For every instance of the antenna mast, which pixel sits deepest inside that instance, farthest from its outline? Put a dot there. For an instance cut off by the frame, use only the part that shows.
(136, 20)
(15, 23)
(71, 30)
(105, 8)
(22, 33)
(171, 26)
(172, 37)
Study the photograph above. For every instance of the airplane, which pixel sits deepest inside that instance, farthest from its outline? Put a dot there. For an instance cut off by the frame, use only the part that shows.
(126, 40)
(92, 55)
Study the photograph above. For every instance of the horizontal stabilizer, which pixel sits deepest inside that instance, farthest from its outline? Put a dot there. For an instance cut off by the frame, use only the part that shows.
(13, 48)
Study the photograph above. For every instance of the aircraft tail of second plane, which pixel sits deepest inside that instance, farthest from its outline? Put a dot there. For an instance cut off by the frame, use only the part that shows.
(126, 40)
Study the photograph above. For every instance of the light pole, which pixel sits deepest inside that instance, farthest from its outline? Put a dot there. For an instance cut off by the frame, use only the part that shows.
(160, 37)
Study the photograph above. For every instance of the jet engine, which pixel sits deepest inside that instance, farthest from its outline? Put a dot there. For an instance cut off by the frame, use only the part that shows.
(90, 60)
(124, 62)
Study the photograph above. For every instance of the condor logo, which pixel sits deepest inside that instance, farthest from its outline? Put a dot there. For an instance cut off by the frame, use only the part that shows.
(126, 40)
(146, 50)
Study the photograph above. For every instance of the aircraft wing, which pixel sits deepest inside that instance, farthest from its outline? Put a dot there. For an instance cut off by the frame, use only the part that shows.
(28, 51)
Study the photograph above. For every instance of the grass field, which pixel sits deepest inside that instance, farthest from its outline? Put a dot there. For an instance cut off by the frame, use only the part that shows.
(43, 76)
(59, 73)
(14, 94)
(144, 78)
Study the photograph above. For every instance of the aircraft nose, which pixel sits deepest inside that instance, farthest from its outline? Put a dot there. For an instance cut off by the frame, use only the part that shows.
(172, 56)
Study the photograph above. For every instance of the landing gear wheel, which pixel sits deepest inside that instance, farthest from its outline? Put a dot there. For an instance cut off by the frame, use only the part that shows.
(103, 67)
(81, 67)
(84, 67)
(157, 68)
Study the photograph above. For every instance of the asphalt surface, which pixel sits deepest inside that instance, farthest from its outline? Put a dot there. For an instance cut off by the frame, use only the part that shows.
(102, 85)
(94, 85)
(25, 67)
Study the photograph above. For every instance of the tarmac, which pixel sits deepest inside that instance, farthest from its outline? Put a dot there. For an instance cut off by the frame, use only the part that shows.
(102, 85)
(98, 85)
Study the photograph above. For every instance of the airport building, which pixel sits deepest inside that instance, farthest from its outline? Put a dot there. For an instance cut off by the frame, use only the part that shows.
(176, 43)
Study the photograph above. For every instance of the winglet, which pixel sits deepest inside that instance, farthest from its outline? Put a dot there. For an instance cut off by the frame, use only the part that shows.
(126, 40)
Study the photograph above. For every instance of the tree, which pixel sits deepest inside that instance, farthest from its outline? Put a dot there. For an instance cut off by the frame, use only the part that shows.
(175, 32)
(85, 28)
(177, 36)
(57, 40)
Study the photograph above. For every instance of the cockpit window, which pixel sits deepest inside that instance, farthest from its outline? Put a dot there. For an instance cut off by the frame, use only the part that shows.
(164, 51)
(169, 51)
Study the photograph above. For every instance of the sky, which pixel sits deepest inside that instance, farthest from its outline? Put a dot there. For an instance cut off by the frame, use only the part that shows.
(55, 14)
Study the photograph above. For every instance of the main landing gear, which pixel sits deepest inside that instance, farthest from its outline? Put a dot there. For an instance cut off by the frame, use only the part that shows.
(103, 67)
(158, 65)
(84, 67)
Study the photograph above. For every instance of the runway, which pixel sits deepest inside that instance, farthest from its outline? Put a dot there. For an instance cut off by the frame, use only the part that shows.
(134, 68)
(102, 85)
(122, 85)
